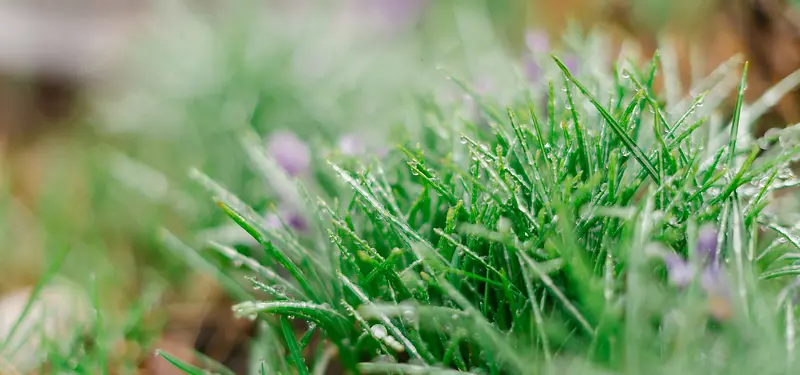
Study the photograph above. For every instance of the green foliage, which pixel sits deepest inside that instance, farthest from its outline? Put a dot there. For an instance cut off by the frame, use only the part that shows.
(506, 244)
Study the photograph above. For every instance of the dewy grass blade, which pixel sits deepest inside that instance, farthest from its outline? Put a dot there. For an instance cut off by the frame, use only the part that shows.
(323, 315)
(637, 152)
(539, 135)
(737, 243)
(551, 113)
(253, 265)
(697, 102)
(558, 293)
(792, 270)
(583, 147)
(537, 312)
(769, 99)
(737, 181)
(737, 116)
(294, 349)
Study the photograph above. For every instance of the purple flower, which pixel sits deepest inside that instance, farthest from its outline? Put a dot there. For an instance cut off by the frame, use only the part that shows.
(290, 152)
(707, 246)
(679, 272)
(289, 216)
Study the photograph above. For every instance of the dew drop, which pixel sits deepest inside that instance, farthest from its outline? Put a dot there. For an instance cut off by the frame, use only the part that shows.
(763, 143)
(378, 331)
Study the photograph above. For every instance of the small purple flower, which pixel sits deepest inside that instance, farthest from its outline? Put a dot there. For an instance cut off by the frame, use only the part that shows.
(289, 216)
(679, 272)
(707, 246)
(290, 152)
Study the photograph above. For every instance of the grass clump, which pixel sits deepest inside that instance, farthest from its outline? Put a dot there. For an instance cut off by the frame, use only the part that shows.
(598, 230)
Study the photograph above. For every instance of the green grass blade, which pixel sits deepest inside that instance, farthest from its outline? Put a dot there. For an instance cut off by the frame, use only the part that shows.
(181, 365)
(295, 354)
(737, 116)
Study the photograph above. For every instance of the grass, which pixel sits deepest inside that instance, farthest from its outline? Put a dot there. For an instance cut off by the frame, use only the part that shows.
(527, 229)
(530, 239)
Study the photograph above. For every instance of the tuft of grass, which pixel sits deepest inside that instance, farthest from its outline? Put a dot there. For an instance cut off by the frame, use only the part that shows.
(499, 245)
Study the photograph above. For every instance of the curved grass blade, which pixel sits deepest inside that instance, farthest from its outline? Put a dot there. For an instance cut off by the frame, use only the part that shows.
(323, 315)
(250, 227)
(181, 365)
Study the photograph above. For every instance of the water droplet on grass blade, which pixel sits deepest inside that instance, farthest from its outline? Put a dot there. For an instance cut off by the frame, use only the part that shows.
(378, 331)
